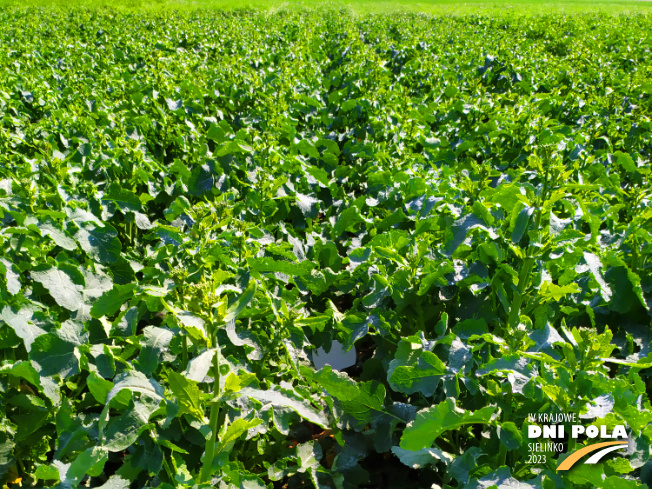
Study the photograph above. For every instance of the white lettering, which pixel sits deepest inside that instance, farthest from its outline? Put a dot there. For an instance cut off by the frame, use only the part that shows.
(577, 430)
(619, 432)
(603, 432)
(592, 431)
(533, 431)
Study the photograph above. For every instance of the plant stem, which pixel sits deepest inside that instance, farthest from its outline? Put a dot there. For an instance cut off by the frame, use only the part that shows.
(169, 472)
(523, 280)
(185, 352)
(526, 269)
(507, 416)
(209, 455)
(502, 455)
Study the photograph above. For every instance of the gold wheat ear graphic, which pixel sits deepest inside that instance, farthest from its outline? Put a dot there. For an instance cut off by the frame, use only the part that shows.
(608, 446)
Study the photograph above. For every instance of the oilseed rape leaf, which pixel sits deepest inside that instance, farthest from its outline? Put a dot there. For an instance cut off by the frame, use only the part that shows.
(21, 322)
(101, 243)
(12, 277)
(60, 285)
(58, 235)
(235, 430)
(431, 423)
(112, 300)
(91, 461)
(363, 401)
(188, 395)
(421, 458)
(136, 382)
(243, 300)
(278, 399)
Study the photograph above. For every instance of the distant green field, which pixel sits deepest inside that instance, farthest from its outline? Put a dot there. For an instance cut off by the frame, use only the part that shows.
(441, 7)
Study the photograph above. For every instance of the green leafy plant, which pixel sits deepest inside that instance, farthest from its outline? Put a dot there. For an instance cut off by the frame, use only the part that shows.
(190, 206)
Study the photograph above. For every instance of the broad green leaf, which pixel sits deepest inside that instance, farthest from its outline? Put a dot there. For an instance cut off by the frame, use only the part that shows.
(25, 370)
(460, 229)
(411, 379)
(363, 400)
(101, 243)
(470, 327)
(58, 235)
(136, 382)
(116, 482)
(174, 104)
(20, 322)
(518, 368)
(521, 223)
(46, 472)
(421, 458)
(123, 431)
(235, 430)
(132, 381)
(60, 286)
(91, 461)
(243, 337)
(12, 276)
(307, 148)
(318, 174)
(308, 205)
(308, 455)
(509, 435)
(390, 254)
(188, 395)
(392, 220)
(413, 369)
(238, 306)
(99, 387)
(81, 216)
(348, 221)
(142, 221)
(234, 146)
(436, 276)
(626, 161)
(124, 199)
(95, 284)
(278, 399)
(552, 292)
(431, 423)
(7, 459)
(626, 287)
(583, 473)
(480, 210)
(112, 300)
(201, 180)
(199, 366)
(501, 479)
(267, 264)
(157, 338)
(595, 265)
(462, 466)
(616, 482)
(55, 355)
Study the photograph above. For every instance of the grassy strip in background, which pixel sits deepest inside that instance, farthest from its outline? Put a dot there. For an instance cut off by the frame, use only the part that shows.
(438, 7)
